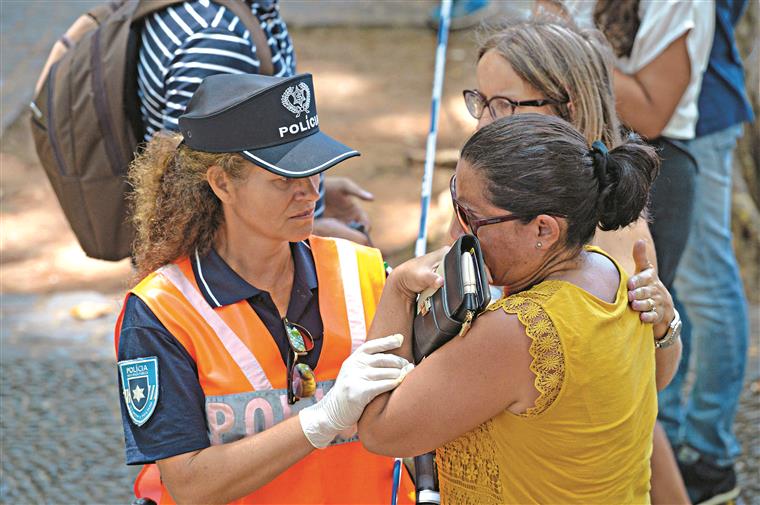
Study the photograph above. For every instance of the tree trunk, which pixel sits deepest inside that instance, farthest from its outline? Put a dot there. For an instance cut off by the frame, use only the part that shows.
(746, 201)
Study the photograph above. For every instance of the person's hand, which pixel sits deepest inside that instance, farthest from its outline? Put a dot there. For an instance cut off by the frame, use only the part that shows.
(341, 196)
(418, 274)
(365, 374)
(331, 227)
(647, 294)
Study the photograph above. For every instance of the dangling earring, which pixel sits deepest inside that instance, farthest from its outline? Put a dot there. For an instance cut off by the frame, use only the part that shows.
(538, 245)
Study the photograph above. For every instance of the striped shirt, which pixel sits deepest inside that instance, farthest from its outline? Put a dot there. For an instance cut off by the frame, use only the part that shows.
(183, 44)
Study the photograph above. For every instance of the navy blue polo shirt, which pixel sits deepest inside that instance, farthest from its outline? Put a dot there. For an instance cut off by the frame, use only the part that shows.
(722, 99)
(178, 424)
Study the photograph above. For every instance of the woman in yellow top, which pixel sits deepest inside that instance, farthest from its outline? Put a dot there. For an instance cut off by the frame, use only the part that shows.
(551, 395)
(573, 79)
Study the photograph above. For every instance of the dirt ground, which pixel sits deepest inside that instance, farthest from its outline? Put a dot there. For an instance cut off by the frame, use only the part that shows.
(373, 88)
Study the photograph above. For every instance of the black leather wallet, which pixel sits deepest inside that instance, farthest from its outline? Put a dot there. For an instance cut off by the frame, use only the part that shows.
(450, 310)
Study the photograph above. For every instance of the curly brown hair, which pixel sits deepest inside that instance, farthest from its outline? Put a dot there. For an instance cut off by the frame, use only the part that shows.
(174, 209)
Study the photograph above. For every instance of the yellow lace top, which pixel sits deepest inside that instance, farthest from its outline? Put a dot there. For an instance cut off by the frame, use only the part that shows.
(588, 437)
(546, 349)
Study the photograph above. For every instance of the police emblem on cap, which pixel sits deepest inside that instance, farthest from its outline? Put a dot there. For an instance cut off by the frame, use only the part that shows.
(297, 98)
(139, 387)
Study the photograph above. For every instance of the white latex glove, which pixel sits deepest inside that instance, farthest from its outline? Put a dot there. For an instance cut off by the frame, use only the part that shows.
(364, 375)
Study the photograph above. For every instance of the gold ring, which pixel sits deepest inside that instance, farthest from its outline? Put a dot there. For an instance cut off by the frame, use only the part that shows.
(651, 305)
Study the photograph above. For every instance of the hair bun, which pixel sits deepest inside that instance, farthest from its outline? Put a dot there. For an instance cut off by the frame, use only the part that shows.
(625, 175)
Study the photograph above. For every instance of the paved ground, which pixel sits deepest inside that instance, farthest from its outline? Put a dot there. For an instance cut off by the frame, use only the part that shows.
(27, 32)
(61, 434)
(29, 28)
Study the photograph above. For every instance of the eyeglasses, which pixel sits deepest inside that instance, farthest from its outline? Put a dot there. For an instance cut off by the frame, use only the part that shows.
(498, 106)
(466, 220)
(302, 382)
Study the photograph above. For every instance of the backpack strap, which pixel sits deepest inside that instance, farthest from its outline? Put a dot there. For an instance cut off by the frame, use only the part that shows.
(145, 8)
(83, 25)
(243, 11)
(101, 12)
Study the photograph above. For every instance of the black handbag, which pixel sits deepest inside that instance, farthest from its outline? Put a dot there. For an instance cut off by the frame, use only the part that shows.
(449, 311)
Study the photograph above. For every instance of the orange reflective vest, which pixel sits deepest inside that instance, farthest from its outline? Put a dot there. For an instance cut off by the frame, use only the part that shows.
(244, 379)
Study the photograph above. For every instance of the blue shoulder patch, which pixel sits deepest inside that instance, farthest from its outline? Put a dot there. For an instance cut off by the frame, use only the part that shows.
(139, 387)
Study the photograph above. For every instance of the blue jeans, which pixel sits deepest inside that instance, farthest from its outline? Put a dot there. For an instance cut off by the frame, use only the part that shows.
(709, 288)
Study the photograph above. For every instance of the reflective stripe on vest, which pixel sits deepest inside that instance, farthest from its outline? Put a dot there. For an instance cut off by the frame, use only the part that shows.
(352, 291)
(235, 355)
(237, 349)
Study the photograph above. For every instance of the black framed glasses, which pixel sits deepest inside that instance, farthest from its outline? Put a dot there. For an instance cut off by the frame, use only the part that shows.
(466, 220)
(302, 382)
(498, 106)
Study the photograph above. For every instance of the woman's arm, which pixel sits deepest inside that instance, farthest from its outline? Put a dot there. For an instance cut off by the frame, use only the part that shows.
(222, 473)
(647, 99)
(463, 384)
(176, 436)
(667, 364)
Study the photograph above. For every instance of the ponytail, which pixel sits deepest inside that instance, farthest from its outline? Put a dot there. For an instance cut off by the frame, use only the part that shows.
(624, 175)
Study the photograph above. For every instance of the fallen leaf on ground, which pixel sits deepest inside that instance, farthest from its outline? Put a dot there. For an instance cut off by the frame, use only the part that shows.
(86, 311)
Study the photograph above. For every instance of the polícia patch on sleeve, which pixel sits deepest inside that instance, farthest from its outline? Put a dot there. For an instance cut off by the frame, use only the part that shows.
(139, 387)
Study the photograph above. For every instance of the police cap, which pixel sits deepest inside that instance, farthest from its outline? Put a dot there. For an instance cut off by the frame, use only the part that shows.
(271, 121)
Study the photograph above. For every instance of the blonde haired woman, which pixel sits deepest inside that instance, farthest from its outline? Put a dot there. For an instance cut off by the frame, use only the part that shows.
(571, 79)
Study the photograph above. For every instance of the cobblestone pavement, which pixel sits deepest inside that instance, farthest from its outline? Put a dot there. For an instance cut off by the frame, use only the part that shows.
(62, 437)
(60, 428)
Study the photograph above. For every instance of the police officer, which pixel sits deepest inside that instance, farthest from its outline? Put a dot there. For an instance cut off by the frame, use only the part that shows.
(242, 348)
(186, 42)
